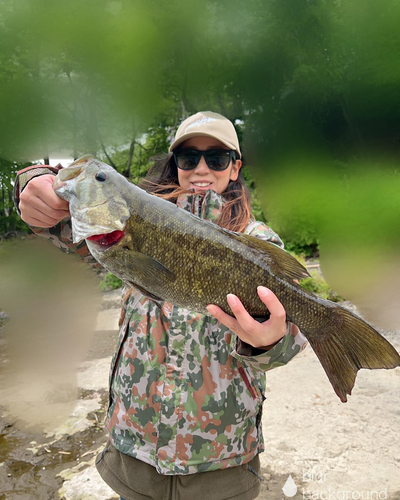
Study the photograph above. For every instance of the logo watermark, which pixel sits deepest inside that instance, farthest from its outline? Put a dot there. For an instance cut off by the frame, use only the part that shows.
(315, 476)
(289, 488)
(331, 494)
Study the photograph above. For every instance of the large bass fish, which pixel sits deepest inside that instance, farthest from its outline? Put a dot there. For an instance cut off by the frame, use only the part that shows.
(172, 255)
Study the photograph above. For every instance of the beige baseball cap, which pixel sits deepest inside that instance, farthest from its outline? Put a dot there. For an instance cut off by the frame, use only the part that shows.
(207, 123)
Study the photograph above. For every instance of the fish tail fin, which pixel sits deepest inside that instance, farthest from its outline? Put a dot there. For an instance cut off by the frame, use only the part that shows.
(348, 346)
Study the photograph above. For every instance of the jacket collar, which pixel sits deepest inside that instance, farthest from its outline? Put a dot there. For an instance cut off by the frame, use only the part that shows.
(207, 206)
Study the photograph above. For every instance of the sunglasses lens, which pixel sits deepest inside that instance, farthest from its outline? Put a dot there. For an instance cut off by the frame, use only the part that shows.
(217, 160)
(187, 160)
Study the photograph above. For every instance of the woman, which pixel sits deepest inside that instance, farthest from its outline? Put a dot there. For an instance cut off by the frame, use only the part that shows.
(186, 390)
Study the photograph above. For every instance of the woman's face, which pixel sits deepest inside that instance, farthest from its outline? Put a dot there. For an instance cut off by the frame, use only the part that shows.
(202, 178)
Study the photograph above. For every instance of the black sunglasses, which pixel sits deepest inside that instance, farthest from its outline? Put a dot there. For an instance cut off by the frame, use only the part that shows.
(216, 159)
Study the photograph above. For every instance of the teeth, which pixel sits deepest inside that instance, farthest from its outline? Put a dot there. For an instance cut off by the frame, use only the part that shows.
(201, 184)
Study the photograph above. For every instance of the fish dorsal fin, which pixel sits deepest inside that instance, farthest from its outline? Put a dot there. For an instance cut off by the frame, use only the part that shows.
(282, 263)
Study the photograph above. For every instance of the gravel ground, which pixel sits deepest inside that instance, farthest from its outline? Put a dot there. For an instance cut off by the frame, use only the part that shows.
(345, 450)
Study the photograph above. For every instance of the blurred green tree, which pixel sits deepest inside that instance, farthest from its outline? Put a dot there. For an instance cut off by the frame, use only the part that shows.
(313, 83)
(9, 219)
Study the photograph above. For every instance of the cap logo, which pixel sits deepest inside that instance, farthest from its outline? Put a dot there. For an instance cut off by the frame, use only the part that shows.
(197, 123)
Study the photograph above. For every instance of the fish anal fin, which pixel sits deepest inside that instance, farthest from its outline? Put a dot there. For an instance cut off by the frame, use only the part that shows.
(280, 261)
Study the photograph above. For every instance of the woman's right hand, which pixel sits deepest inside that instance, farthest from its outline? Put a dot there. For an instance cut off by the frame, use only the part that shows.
(39, 205)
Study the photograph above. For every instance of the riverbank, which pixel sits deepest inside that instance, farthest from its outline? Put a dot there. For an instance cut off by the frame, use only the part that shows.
(327, 447)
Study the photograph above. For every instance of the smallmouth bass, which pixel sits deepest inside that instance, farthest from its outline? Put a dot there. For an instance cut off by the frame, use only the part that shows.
(172, 255)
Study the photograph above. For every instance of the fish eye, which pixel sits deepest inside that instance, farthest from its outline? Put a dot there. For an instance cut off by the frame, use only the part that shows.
(100, 176)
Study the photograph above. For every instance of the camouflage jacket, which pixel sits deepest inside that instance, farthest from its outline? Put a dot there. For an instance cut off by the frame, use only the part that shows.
(185, 394)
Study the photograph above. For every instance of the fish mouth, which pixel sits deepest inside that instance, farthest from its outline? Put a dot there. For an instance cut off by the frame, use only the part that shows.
(105, 241)
(81, 161)
(72, 171)
(65, 175)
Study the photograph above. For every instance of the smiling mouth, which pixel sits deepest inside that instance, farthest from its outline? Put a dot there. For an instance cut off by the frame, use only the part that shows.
(201, 184)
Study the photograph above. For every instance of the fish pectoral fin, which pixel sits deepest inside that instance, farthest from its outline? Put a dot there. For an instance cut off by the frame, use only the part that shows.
(281, 262)
(147, 269)
(146, 293)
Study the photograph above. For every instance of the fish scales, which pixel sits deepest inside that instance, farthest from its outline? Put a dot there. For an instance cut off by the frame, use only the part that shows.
(192, 262)
(170, 254)
(238, 269)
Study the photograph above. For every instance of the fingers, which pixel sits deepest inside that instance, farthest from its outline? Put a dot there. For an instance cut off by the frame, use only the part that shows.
(224, 318)
(276, 309)
(39, 205)
(39, 219)
(43, 187)
(249, 330)
(246, 322)
(243, 325)
(274, 306)
(36, 213)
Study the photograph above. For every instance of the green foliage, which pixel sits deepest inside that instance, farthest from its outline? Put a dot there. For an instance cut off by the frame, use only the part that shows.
(325, 71)
(9, 219)
(305, 78)
(302, 243)
(134, 160)
(296, 229)
(110, 282)
(255, 202)
(316, 283)
(299, 234)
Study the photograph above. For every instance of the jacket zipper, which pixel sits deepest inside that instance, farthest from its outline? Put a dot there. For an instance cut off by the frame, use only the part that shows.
(247, 382)
(114, 367)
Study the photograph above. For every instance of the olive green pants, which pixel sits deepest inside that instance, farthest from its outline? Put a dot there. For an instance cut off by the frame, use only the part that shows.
(140, 481)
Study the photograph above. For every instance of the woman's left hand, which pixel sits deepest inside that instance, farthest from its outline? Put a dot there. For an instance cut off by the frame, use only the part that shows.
(260, 335)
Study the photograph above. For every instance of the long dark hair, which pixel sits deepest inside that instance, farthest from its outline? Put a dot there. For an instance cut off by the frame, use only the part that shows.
(162, 181)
